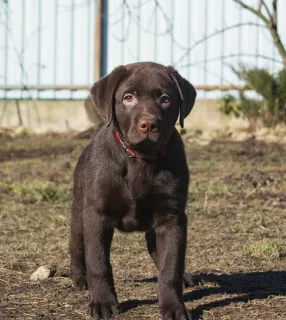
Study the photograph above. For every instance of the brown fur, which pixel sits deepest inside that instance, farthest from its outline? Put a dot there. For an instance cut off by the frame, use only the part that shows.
(113, 190)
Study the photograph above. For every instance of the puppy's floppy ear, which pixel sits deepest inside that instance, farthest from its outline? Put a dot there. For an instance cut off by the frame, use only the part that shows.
(103, 92)
(187, 94)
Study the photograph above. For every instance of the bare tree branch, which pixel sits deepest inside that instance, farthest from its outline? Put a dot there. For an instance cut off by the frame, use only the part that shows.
(267, 10)
(256, 12)
(207, 37)
(260, 5)
(271, 24)
(195, 63)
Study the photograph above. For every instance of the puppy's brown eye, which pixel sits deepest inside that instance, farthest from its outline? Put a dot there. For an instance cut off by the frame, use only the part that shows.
(165, 100)
(128, 98)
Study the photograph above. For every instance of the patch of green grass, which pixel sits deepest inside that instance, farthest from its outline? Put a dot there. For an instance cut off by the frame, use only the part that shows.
(239, 228)
(266, 249)
(212, 186)
(196, 188)
(207, 164)
(36, 192)
(261, 219)
(221, 189)
(5, 187)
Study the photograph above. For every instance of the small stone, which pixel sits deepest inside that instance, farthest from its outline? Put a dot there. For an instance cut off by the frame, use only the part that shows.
(276, 204)
(67, 165)
(43, 272)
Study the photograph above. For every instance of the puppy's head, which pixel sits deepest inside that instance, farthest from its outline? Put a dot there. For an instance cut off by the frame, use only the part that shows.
(144, 101)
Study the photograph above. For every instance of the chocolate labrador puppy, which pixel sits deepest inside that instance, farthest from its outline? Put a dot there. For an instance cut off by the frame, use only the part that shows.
(133, 176)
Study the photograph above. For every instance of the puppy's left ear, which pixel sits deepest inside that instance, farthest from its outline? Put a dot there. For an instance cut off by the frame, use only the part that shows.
(187, 94)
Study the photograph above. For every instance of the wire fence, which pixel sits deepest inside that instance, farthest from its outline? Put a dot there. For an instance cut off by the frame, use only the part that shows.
(49, 48)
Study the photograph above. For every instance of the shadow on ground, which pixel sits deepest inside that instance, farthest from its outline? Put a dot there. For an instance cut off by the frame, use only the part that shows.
(253, 285)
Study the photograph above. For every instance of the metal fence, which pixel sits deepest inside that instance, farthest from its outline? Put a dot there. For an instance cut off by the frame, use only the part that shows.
(55, 49)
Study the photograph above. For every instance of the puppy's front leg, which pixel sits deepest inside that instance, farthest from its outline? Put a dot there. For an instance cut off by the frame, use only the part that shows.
(97, 238)
(171, 235)
(150, 237)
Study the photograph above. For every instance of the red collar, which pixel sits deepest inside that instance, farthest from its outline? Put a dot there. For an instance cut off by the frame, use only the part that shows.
(132, 154)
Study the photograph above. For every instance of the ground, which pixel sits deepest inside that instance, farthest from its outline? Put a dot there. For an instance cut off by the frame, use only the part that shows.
(236, 239)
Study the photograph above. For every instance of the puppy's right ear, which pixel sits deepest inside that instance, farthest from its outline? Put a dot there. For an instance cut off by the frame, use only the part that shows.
(103, 92)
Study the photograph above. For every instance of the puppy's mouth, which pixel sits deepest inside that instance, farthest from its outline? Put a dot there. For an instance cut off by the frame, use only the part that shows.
(148, 145)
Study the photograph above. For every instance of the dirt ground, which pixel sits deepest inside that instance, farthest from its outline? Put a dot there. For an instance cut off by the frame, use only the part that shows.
(236, 239)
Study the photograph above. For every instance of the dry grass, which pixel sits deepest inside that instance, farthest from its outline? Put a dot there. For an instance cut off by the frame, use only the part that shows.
(237, 233)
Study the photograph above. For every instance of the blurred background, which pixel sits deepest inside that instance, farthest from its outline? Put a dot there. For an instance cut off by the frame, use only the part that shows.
(52, 51)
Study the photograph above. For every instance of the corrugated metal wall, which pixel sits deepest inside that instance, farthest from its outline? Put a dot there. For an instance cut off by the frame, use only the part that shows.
(51, 42)
(48, 42)
(187, 34)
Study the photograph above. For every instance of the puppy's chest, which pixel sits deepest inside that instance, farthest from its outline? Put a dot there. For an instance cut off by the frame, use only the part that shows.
(143, 198)
(145, 184)
(138, 184)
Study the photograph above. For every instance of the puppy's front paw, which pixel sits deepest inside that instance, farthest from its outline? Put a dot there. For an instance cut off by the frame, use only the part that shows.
(181, 314)
(103, 311)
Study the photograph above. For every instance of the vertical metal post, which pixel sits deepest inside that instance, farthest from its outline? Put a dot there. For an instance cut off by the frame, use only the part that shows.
(101, 39)
(97, 50)
(39, 42)
(206, 45)
(56, 46)
(239, 35)
(123, 32)
(257, 42)
(6, 47)
(222, 43)
(88, 40)
(172, 32)
(72, 47)
(189, 37)
(104, 38)
(139, 31)
(22, 55)
(156, 32)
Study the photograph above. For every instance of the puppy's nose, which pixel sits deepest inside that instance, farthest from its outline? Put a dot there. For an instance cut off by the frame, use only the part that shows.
(148, 125)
